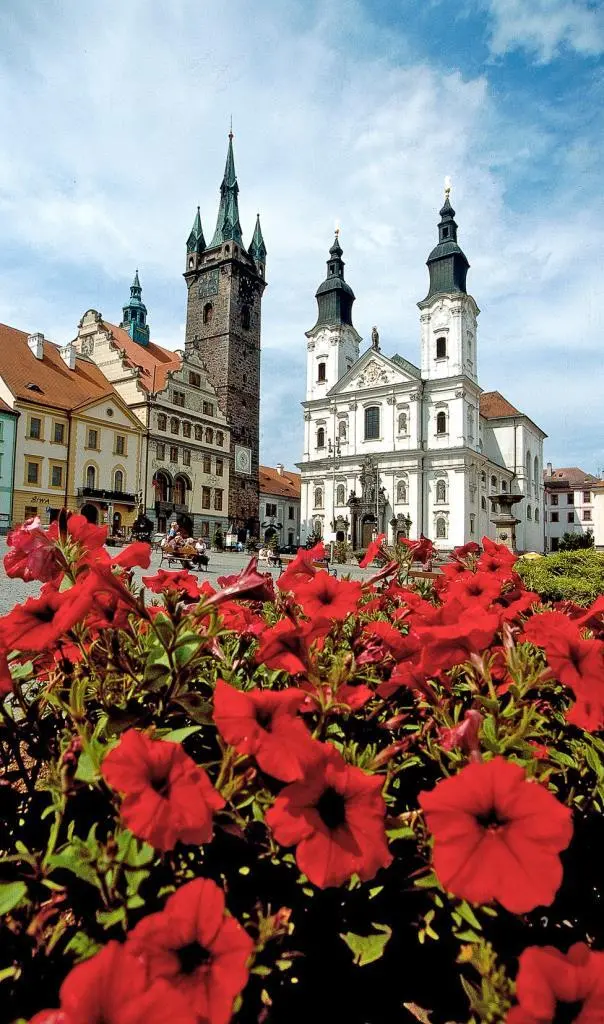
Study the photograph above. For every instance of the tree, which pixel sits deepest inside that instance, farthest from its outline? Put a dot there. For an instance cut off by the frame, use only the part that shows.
(576, 541)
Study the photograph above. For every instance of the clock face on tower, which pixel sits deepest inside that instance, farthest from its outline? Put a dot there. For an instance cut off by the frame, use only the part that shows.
(246, 289)
(243, 460)
(209, 284)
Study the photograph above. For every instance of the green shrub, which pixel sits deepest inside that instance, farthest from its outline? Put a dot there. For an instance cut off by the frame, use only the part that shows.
(576, 541)
(565, 576)
(341, 552)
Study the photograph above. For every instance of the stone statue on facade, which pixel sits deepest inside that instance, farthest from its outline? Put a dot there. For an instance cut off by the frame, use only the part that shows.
(375, 339)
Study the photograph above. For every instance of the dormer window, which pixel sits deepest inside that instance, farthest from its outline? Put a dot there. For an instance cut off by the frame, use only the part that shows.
(34, 387)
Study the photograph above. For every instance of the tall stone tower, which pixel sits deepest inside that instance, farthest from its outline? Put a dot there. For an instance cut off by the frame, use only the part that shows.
(225, 283)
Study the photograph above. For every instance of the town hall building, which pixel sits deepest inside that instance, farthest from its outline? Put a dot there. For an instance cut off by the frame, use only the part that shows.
(403, 449)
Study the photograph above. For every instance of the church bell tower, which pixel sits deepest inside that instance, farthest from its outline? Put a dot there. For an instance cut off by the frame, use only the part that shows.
(225, 283)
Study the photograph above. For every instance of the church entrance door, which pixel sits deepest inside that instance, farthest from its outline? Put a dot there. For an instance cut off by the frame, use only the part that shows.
(368, 530)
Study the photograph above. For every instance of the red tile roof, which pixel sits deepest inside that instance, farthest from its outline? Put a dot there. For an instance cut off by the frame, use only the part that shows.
(284, 484)
(572, 477)
(494, 406)
(55, 384)
(155, 362)
(6, 408)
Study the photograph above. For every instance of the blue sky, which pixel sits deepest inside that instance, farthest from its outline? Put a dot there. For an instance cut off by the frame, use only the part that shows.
(113, 120)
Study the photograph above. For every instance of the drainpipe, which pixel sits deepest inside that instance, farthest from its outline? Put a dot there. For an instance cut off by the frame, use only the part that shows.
(12, 482)
(68, 456)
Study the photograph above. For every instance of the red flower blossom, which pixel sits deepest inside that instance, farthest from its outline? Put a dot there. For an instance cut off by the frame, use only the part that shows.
(480, 588)
(241, 619)
(34, 556)
(464, 735)
(398, 645)
(168, 797)
(452, 570)
(114, 987)
(449, 644)
(497, 558)
(497, 836)
(335, 818)
(80, 530)
(471, 548)
(576, 662)
(198, 949)
(6, 679)
(265, 724)
(552, 986)
(38, 624)
(249, 585)
(286, 645)
(326, 597)
(181, 582)
(421, 550)
(374, 550)
(302, 569)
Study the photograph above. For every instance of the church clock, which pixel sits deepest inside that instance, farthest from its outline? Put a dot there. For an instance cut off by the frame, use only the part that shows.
(246, 289)
(209, 284)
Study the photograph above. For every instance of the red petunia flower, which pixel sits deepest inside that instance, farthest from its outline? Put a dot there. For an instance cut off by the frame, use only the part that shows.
(552, 986)
(181, 582)
(34, 555)
(480, 588)
(374, 550)
(335, 818)
(249, 585)
(576, 662)
(114, 987)
(497, 558)
(471, 548)
(325, 597)
(286, 645)
(241, 619)
(452, 643)
(465, 735)
(265, 724)
(167, 796)
(302, 569)
(421, 550)
(38, 624)
(198, 949)
(497, 836)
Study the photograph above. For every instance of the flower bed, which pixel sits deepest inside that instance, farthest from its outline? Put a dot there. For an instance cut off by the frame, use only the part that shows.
(328, 800)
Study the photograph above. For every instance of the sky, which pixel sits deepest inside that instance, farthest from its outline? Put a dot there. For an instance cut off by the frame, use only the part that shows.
(114, 117)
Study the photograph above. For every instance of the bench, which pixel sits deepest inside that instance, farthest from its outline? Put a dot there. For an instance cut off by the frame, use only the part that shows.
(183, 561)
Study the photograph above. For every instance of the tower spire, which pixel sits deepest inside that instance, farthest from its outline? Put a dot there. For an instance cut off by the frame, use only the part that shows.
(134, 314)
(335, 296)
(257, 249)
(196, 243)
(228, 227)
(447, 263)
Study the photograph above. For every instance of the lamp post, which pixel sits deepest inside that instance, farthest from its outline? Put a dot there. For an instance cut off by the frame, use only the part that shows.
(334, 454)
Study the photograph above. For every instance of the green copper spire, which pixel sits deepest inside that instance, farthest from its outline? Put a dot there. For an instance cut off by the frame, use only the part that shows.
(447, 263)
(196, 242)
(134, 319)
(228, 228)
(257, 249)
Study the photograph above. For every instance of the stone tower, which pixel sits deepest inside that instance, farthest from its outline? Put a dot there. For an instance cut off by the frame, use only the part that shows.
(134, 314)
(225, 283)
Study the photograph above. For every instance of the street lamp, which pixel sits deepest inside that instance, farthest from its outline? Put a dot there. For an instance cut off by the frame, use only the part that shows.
(334, 454)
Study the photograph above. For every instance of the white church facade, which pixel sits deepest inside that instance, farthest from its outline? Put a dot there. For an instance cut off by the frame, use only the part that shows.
(394, 448)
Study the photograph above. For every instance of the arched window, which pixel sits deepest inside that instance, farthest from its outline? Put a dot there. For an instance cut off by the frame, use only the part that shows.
(318, 497)
(441, 528)
(483, 503)
(91, 477)
(441, 348)
(219, 438)
(372, 423)
(402, 422)
(179, 491)
(208, 310)
(198, 432)
(321, 372)
(528, 467)
(340, 494)
(483, 478)
(342, 430)
(471, 423)
(209, 435)
(401, 492)
(318, 528)
(504, 485)
(441, 423)
(536, 515)
(441, 491)
(186, 429)
(535, 474)
(162, 422)
(174, 425)
(529, 514)
(245, 318)
(493, 483)
(118, 480)
(320, 437)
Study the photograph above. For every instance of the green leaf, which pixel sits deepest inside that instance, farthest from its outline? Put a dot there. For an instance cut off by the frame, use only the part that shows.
(11, 893)
(110, 917)
(178, 735)
(164, 628)
(593, 760)
(186, 648)
(21, 672)
(86, 770)
(464, 910)
(82, 946)
(400, 833)
(467, 936)
(366, 949)
(69, 861)
(261, 970)
(489, 733)
(560, 758)
(197, 708)
(11, 972)
(427, 882)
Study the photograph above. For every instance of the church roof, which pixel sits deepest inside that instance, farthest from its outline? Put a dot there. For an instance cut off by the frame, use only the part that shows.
(285, 484)
(154, 361)
(48, 381)
(493, 406)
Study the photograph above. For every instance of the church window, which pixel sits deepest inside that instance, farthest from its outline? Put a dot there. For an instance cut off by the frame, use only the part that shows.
(219, 438)
(535, 473)
(570, 498)
(198, 432)
(320, 438)
(178, 397)
(372, 423)
(472, 524)
(445, 232)
(483, 503)
(441, 423)
(161, 422)
(321, 372)
(528, 468)
(340, 495)
(208, 310)
(586, 497)
(186, 429)
(529, 514)
(118, 480)
(401, 492)
(504, 485)
(318, 528)
(318, 497)
(402, 423)
(441, 348)
(342, 430)
(270, 509)
(441, 491)
(205, 497)
(218, 500)
(209, 435)
(441, 528)
(174, 425)
(245, 318)
(536, 515)
(219, 467)
(493, 483)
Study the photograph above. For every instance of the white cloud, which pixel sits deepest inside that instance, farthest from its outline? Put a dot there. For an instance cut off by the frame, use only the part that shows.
(117, 114)
(545, 27)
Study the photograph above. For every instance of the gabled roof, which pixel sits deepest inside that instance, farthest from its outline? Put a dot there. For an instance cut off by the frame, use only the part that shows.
(54, 384)
(493, 406)
(571, 477)
(398, 366)
(6, 408)
(154, 361)
(284, 484)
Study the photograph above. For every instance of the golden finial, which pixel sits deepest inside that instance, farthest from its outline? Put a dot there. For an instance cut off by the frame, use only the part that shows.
(337, 229)
(447, 187)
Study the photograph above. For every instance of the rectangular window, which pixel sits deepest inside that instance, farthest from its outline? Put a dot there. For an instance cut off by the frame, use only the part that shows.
(120, 444)
(186, 457)
(33, 472)
(553, 499)
(178, 397)
(570, 499)
(292, 512)
(56, 476)
(219, 467)
(208, 409)
(207, 464)
(219, 438)
(93, 437)
(218, 501)
(571, 517)
(205, 497)
(58, 433)
(161, 452)
(271, 509)
(321, 376)
(205, 529)
(372, 423)
(30, 512)
(555, 517)
(173, 453)
(35, 427)
(586, 514)
(586, 497)
(186, 429)
(194, 379)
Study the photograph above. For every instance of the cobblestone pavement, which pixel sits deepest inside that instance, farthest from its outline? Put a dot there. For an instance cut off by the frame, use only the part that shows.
(222, 563)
